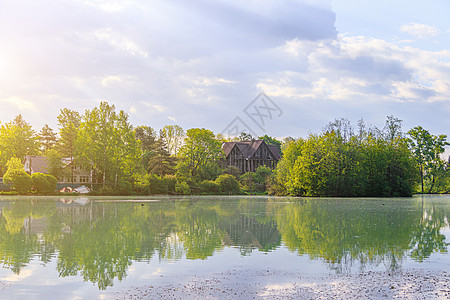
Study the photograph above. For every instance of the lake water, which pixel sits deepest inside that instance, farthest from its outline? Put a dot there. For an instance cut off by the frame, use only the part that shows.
(77, 247)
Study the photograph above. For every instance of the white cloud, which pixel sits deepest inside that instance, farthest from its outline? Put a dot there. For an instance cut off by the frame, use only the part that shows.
(117, 40)
(110, 79)
(421, 31)
(19, 103)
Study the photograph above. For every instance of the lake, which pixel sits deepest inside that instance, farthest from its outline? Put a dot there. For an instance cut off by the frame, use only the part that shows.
(94, 247)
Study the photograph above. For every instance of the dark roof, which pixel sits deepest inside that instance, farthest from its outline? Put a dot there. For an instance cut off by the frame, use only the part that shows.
(38, 163)
(248, 148)
(275, 151)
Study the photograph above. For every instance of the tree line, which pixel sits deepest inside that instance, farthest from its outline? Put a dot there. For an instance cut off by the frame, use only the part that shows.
(127, 159)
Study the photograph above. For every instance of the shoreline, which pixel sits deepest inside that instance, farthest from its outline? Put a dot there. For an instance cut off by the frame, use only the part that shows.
(276, 284)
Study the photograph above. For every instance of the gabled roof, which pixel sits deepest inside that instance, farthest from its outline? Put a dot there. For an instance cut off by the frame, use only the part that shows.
(248, 148)
(38, 164)
(275, 151)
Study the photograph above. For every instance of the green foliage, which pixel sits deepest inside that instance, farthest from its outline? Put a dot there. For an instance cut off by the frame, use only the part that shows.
(210, 187)
(55, 164)
(14, 164)
(339, 163)
(228, 184)
(47, 138)
(427, 149)
(271, 141)
(173, 135)
(106, 141)
(232, 170)
(161, 162)
(156, 185)
(257, 179)
(182, 188)
(124, 187)
(17, 139)
(171, 182)
(43, 183)
(18, 180)
(200, 155)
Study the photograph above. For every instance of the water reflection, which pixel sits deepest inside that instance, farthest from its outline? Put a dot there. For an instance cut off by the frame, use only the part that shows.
(100, 240)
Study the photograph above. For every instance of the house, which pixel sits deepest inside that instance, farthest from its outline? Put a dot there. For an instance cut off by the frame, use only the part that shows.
(81, 175)
(249, 155)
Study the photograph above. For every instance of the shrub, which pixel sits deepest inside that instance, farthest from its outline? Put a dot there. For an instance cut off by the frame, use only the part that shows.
(124, 187)
(182, 188)
(232, 170)
(171, 182)
(52, 181)
(43, 183)
(228, 184)
(18, 180)
(209, 187)
(156, 185)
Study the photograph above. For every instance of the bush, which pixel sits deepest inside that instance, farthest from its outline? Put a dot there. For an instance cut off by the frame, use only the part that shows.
(124, 187)
(18, 180)
(182, 188)
(170, 182)
(232, 170)
(43, 183)
(228, 184)
(156, 185)
(210, 187)
(52, 181)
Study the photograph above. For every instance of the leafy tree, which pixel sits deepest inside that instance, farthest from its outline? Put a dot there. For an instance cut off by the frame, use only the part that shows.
(106, 141)
(228, 184)
(47, 138)
(43, 183)
(340, 163)
(173, 135)
(200, 155)
(161, 162)
(55, 165)
(232, 170)
(17, 139)
(210, 187)
(16, 177)
(427, 149)
(244, 136)
(148, 141)
(271, 141)
(69, 123)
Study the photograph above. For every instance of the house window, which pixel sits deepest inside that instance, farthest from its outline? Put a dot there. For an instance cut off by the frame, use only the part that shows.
(84, 179)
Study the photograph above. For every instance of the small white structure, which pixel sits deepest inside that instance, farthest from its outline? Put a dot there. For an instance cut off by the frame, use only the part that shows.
(82, 189)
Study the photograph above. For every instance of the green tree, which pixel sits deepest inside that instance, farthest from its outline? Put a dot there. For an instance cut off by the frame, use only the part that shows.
(43, 183)
(271, 141)
(228, 184)
(161, 162)
(339, 163)
(174, 135)
(16, 177)
(55, 165)
(427, 149)
(69, 123)
(200, 155)
(17, 139)
(47, 138)
(148, 141)
(106, 141)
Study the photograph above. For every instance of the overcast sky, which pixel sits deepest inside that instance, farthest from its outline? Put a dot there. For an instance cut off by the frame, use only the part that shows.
(199, 63)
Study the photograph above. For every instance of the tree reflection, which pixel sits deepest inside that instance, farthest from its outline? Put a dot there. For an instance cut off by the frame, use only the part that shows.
(99, 241)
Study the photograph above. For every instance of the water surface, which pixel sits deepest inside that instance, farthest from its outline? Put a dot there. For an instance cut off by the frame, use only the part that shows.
(86, 247)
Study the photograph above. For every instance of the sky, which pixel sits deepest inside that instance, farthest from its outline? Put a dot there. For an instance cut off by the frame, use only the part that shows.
(276, 67)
